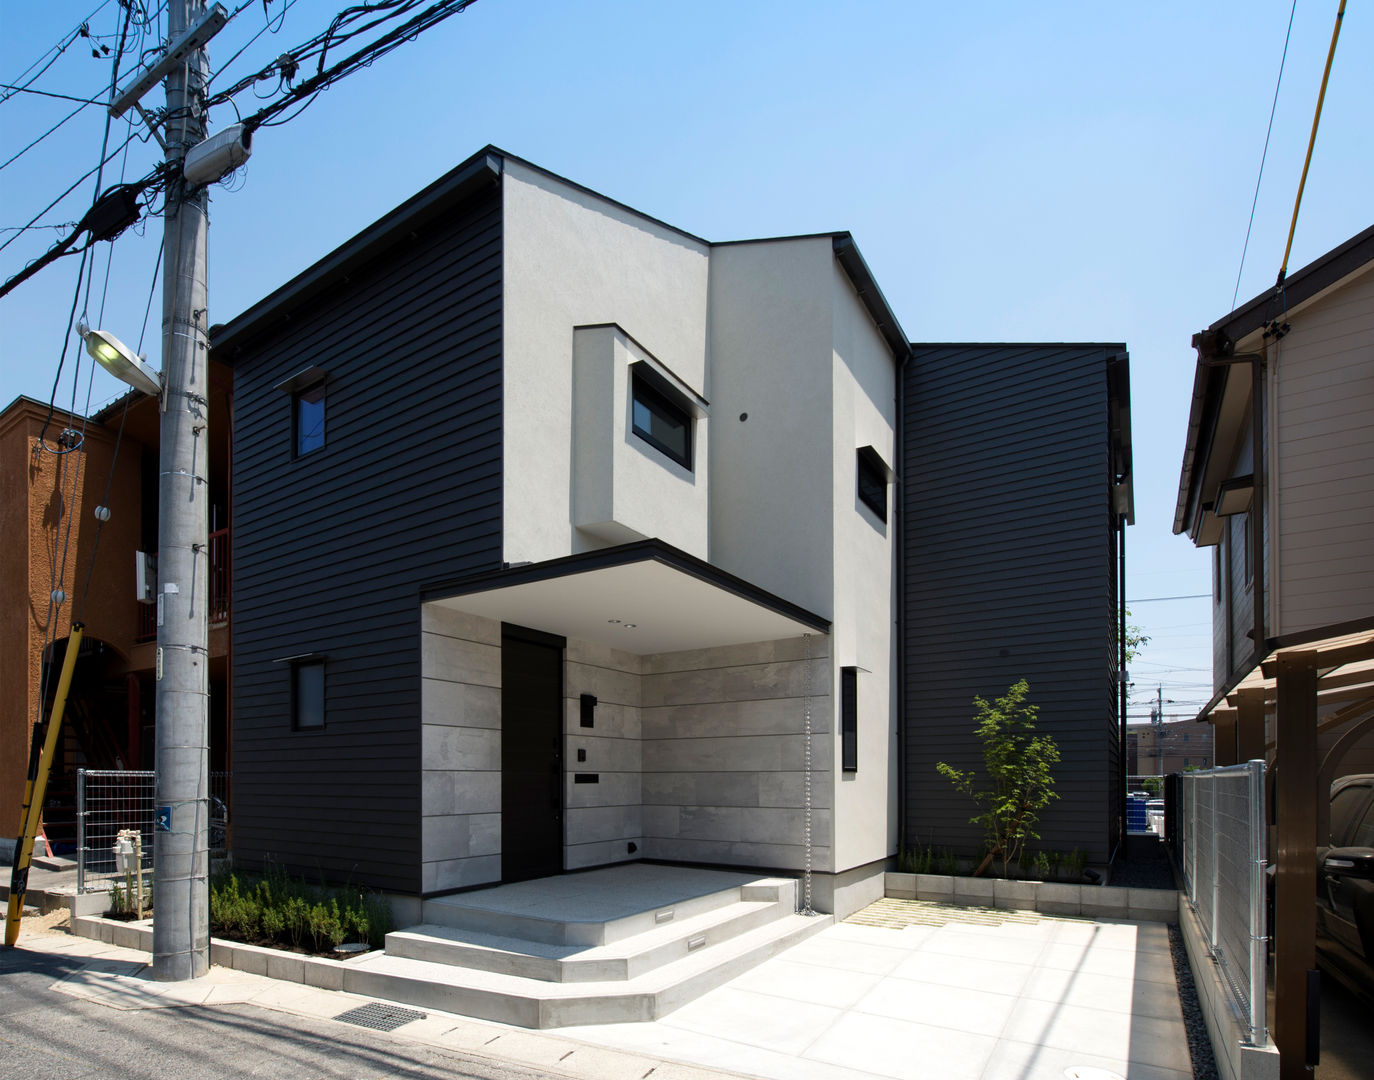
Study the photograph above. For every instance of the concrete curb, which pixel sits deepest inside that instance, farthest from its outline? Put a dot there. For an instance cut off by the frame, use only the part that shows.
(1051, 898)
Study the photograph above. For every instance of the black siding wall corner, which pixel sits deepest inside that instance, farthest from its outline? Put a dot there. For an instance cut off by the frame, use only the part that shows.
(1009, 575)
(330, 548)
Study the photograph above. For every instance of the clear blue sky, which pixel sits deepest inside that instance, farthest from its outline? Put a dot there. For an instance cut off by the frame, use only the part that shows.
(1010, 171)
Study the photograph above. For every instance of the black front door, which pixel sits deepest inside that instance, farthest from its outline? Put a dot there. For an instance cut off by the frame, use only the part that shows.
(531, 755)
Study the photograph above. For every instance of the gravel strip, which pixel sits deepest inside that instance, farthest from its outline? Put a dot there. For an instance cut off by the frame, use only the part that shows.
(1199, 1043)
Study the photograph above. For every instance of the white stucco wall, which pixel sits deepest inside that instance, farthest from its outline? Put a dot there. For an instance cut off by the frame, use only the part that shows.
(793, 347)
(771, 496)
(864, 414)
(624, 489)
(573, 259)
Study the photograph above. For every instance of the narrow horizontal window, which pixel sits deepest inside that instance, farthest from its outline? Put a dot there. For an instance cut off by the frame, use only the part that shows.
(662, 423)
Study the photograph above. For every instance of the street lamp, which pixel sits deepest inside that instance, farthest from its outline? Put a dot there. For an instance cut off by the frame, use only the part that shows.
(121, 362)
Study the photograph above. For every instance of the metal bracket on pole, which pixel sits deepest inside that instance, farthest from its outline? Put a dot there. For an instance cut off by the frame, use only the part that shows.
(195, 37)
(152, 126)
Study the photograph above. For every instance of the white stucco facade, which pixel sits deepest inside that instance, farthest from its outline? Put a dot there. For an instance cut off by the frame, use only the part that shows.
(702, 756)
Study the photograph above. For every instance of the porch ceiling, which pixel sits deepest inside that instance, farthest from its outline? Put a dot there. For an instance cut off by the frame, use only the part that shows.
(646, 597)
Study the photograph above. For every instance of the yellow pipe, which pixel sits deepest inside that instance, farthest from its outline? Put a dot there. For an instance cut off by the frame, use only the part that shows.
(37, 788)
(1311, 141)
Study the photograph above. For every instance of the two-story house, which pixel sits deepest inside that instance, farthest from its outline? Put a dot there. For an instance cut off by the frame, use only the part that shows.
(564, 538)
(1278, 481)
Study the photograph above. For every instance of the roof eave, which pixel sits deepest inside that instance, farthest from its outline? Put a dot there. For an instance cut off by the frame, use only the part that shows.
(871, 296)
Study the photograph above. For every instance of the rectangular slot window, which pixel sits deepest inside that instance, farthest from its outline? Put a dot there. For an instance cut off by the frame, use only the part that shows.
(872, 481)
(307, 407)
(662, 423)
(849, 719)
(307, 695)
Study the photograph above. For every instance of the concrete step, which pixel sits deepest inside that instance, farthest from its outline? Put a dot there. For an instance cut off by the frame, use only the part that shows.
(624, 959)
(474, 911)
(536, 1003)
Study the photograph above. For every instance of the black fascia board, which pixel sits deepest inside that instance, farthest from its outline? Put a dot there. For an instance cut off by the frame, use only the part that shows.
(1299, 287)
(872, 298)
(652, 550)
(479, 172)
(1209, 382)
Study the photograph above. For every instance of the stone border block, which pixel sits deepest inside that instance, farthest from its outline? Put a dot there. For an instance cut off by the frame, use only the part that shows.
(900, 886)
(939, 887)
(1056, 898)
(1014, 895)
(970, 890)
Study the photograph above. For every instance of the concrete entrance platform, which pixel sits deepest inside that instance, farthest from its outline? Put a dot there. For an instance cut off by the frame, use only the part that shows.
(614, 945)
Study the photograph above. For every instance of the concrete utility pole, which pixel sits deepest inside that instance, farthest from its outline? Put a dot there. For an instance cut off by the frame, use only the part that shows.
(181, 892)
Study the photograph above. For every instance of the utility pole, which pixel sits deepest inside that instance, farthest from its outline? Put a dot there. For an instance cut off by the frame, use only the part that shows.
(181, 892)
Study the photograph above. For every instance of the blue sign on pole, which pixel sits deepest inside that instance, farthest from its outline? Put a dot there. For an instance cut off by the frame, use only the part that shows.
(164, 819)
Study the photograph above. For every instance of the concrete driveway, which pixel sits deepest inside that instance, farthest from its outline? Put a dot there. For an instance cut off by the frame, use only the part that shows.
(910, 989)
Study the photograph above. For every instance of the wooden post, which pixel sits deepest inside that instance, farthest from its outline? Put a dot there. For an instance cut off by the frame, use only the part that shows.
(1295, 914)
(1224, 737)
(1250, 724)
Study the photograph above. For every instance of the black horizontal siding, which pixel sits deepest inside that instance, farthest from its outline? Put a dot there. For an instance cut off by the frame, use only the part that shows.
(330, 549)
(1008, 575)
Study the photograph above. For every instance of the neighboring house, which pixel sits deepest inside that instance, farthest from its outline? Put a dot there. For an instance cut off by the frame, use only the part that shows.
(1162, 749)
(558, 529)
(1278, 472)
(48, 499)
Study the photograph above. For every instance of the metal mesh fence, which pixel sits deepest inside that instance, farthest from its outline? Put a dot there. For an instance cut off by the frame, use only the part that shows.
(1223, 869)
(108, 801)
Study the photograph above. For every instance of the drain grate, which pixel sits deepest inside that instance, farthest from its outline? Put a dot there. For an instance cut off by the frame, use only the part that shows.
(379, 1017)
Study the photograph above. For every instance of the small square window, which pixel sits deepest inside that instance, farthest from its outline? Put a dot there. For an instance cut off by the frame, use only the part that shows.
(307, 407)
(307, 695)
(661, 422)
(872, 481)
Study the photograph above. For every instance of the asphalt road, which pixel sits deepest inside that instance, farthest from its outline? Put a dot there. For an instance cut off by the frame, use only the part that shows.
(45, 1035)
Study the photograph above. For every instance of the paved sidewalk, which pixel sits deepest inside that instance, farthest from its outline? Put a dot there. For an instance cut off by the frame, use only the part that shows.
(904, 989)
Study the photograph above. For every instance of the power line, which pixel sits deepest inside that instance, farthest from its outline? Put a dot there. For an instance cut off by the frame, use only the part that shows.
(1157, 599)
(1268, 131)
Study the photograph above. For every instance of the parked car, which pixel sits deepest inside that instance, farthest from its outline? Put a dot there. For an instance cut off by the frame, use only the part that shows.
(1345, 886)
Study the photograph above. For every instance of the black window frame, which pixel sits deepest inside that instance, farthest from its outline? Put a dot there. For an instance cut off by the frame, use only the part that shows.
(642, 390)
(871, 479)
(298, 398)
(849, 719)
(298, 669)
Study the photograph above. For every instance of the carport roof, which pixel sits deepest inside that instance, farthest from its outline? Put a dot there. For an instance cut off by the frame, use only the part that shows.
(1344, 661)
(646, 597)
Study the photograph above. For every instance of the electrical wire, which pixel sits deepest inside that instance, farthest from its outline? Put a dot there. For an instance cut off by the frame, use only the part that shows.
(50, 94)
(75, 184)
(40, 138)
(1265, 154)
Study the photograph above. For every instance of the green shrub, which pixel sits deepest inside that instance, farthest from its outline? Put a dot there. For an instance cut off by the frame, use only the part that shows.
(288, 911)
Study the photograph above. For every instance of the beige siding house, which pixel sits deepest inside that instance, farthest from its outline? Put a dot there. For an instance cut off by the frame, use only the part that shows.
(1278, 480)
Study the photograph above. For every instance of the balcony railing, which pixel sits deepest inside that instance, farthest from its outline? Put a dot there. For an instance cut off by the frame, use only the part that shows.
(220, 580)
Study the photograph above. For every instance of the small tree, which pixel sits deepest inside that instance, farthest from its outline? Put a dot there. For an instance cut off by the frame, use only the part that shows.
(1018, 764)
